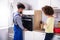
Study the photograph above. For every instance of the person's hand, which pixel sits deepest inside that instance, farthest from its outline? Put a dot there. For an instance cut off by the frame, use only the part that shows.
(25, 30)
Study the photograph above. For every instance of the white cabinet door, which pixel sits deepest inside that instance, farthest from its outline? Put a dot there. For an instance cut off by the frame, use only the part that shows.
(4, 34)
(33, 35)
(38, 35)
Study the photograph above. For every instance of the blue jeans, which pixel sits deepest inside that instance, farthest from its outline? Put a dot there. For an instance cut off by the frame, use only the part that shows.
(18, 33)
(49, 36)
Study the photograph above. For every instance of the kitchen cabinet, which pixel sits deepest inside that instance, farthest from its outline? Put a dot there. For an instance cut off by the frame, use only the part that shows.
(4, 34)
(34, 35)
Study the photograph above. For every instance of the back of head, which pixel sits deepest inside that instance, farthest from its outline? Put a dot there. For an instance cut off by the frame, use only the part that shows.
(48, 10)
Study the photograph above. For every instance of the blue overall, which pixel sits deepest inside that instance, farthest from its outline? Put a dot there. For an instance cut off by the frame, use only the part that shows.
(18, 32)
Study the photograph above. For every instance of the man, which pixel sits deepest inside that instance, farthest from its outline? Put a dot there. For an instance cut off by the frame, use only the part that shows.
(18, 27)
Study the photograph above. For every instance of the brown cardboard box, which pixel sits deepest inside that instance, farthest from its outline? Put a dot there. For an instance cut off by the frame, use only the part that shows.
(37, 19)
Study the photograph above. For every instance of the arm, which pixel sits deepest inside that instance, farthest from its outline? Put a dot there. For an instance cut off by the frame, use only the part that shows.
(19, 22)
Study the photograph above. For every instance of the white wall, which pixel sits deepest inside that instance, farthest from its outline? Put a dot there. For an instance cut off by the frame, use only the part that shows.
(6, 8)
(55, 3)
(35, 4)
(32, 4)
(4, 13)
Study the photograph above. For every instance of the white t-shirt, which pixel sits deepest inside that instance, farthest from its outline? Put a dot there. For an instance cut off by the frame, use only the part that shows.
(49, 25)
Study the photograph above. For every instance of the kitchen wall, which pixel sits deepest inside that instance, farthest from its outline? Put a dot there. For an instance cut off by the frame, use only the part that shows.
(9, 6)
(38, 4)
(33, 4)
(4, 13)
(55, 3)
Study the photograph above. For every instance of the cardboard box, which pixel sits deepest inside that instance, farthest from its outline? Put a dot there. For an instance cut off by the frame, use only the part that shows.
(37, 19)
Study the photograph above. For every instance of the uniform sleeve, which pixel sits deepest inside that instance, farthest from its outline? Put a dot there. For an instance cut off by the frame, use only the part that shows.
(19, 22)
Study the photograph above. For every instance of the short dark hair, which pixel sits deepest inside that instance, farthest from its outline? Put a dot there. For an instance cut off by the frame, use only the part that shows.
(20, 5)
(48, 10)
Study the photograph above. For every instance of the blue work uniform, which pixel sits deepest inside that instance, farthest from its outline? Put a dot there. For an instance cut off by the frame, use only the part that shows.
(18, 27)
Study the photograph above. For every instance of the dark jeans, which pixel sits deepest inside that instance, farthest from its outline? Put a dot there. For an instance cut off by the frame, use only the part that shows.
(49, 36)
